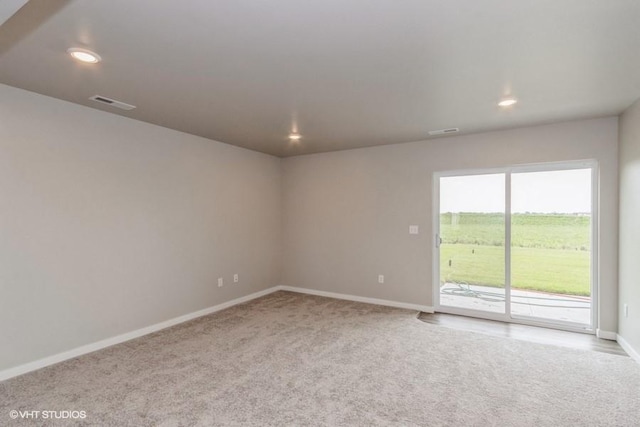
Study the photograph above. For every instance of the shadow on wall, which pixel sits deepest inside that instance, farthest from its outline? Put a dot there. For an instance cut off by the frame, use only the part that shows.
(31, 16)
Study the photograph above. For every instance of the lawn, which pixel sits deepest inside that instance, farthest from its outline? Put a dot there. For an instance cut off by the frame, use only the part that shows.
(549, 252)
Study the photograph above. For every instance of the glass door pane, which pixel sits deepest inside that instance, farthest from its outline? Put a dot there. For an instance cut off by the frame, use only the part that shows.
(551, 245)
(472, 248)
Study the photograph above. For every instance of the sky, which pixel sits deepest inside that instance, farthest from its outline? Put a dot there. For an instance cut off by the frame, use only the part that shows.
(540, 192)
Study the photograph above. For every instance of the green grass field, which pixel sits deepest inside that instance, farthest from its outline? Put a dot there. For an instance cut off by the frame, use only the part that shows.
(549, 252)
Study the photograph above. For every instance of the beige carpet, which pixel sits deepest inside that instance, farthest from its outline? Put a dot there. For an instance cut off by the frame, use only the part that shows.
(290, 359)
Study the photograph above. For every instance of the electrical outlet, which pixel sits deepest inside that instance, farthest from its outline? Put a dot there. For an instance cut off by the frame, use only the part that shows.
(235, 278)
(380, 278)
(220, 282)
(626, 310)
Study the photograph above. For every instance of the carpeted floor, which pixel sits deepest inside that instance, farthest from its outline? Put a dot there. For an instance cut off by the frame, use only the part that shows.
(291, 359)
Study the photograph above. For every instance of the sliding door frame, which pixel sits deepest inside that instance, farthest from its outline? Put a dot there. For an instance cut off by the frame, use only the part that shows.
(507, 316)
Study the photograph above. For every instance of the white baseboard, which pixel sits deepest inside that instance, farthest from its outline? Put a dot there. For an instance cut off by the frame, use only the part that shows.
(99, 345)
(606, 335)
(627, 347)
(425, 308)
(90, 348)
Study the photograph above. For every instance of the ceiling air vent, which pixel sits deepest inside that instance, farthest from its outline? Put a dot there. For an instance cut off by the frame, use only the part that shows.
(112, 102)
(444, 131)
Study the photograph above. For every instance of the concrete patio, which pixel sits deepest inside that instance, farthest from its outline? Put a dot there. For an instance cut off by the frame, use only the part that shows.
(539, 305)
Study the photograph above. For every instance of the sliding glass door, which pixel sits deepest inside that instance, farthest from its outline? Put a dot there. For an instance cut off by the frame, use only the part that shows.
(551, 245)
(472, 242)
(516, 244)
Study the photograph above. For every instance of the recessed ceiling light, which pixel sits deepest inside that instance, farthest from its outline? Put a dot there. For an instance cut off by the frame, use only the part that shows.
(295, 136)
(507, 102)
(84, 55)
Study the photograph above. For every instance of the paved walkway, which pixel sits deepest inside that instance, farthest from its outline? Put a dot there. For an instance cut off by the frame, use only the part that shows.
(567, 308)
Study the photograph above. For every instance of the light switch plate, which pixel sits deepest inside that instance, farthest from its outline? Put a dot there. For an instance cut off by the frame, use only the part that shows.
(413, 229)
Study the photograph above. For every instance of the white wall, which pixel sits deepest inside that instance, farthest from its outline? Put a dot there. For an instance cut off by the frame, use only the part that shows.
(629, 327)
(346, 214)
(108, 224)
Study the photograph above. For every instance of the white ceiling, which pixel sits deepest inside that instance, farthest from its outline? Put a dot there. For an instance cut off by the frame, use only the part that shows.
(345, 73)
